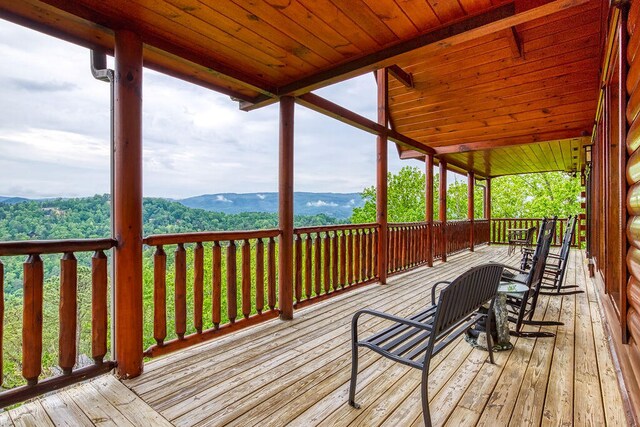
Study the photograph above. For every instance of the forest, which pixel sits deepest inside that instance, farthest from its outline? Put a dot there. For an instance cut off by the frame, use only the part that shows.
(518, 196)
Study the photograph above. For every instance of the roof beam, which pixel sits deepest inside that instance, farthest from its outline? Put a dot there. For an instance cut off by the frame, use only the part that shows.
(328, 108)
(401, 75)
(508, 142)
(489, 22)
(515, 43)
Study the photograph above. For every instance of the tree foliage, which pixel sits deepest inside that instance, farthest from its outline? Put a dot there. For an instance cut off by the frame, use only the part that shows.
(515, 196)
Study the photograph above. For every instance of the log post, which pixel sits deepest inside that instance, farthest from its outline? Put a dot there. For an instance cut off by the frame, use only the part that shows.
(471, 181)
(381, 176)
(285, 209)
(443, 208)
(127, 201)
(487, 205)
(428, 213)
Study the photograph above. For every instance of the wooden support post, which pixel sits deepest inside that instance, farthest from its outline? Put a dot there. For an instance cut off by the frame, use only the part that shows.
(127, 202)
(428, 217)
(285, 209)
(487, 205)
(381, 176)
(443, 208)
(623, 215)
(471, 181)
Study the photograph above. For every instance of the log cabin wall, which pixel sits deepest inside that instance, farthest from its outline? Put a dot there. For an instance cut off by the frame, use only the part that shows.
(614, 193)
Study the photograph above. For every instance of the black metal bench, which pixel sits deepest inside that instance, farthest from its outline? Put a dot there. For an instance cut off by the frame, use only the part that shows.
(415, 340)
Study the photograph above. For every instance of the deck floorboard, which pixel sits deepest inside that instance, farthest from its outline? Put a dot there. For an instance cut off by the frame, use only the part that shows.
(296, 373)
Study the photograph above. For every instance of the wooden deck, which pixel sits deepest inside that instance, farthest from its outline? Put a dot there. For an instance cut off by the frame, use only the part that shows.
(296, 373)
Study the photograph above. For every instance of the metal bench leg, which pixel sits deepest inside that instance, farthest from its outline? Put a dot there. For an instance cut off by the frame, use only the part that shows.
(354, 365)
(426, 415)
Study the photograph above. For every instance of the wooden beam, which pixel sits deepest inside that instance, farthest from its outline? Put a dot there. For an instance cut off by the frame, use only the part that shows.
(471, 181)
(496, 19)
(487, 199)
(508, 142)
(328, 108)
(442, 211)
(285, 209)
(381, 175)
(401, 75)
(428, 213)
(515, 43)
(127, 203)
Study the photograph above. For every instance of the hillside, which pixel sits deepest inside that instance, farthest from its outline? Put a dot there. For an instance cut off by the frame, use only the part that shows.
(338, 205)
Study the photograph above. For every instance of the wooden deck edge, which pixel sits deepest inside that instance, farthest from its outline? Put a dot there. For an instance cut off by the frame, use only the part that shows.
(620, 354)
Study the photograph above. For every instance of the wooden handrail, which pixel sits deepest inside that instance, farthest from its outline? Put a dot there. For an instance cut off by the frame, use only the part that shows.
(325, 228)
(41, 247)
(208, 236)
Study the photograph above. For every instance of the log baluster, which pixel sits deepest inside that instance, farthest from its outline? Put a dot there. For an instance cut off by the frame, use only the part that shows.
(271, 273)
(232, 293)
(180, 297)
(32, 319)
(1, 322)
(216, 284)
(374, 244)
(369, 255)
(259, 276)
(327, 263)
(317, 265)
(99, 321)
(68, 312)
(159, 295)
(334, 260)
(343, 259)
(356, 259)
(198, 285)
(297, 249)
(246, 279)
(307, 267)
(363, 255)
(350, 257)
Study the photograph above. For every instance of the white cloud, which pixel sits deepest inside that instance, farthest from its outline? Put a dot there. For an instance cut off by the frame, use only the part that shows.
(54, 131)
(221, 198)
(321, 203)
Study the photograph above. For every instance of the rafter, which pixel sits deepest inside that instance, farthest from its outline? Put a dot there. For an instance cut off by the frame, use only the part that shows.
(401, 75)
(515, 42)
(328, 108)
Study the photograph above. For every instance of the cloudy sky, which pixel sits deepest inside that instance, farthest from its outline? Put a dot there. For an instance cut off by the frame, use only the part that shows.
(54, 131)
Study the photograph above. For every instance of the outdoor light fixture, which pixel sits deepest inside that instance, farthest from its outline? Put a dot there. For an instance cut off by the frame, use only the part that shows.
(587, 154)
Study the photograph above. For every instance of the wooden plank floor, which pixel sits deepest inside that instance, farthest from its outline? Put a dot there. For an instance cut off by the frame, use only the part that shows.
(296, 373)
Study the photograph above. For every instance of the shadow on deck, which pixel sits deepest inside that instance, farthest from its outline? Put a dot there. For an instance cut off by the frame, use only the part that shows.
(296, 373)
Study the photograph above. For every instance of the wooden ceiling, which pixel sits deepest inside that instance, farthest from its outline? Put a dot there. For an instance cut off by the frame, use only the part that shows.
(511, 102)
(487, 73)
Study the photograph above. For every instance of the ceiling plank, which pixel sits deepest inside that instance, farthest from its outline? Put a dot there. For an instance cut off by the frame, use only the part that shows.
(328, 108)
(496, 19)
(522, 140)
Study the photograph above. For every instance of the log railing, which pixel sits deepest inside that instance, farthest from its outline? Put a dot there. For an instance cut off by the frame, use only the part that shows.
(407, 247)
(33, 280)
(241, 271)
(332, 258)
(481, 231)
(458, 236)
(437, 243)
(500, 229)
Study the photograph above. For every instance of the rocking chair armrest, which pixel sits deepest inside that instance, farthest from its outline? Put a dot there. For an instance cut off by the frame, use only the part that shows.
(519, 270)
(433, 290)
(375, 313)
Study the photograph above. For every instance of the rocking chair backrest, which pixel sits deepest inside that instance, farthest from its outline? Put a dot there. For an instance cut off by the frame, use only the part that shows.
(536, 273)
(530, 232)
(568, 238)
(463, 296)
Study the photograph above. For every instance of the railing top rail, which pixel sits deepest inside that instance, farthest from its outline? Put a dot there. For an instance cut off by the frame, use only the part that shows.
(324, 228)
(208, 236)
(39, 247)
(523, 219)
(407, 224)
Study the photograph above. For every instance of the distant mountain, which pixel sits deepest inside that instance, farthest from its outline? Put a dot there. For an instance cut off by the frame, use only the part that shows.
(12, 200)
(338, 205)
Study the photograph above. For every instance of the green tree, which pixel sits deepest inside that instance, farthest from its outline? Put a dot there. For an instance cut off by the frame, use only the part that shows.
(406, 198)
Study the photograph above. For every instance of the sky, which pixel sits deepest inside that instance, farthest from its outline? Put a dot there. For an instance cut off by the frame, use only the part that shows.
(54, 131)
